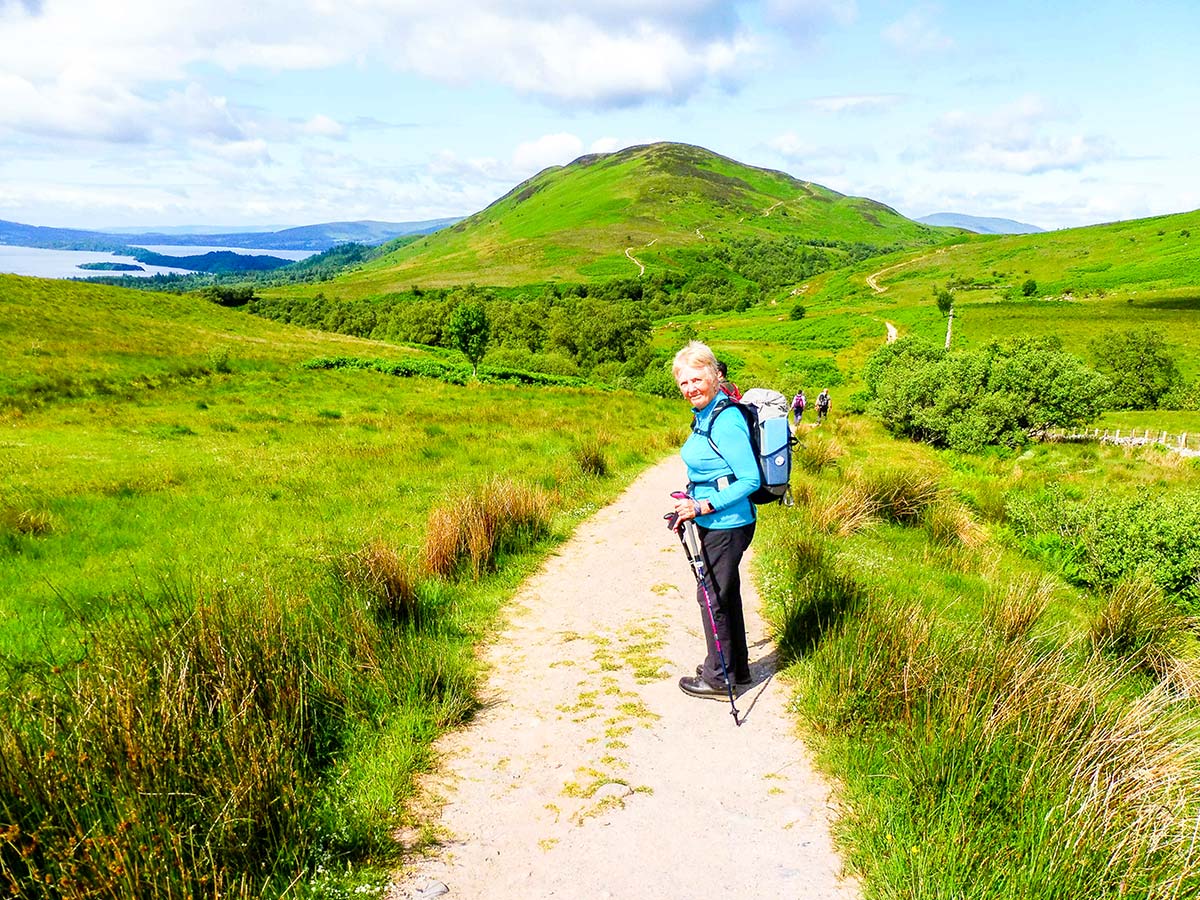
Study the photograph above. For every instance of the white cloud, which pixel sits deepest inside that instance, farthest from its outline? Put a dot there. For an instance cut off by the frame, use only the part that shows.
(916, 33)
(1022, 137)
(610, 145)
(855, 104)
(323, 126)
(548, 150)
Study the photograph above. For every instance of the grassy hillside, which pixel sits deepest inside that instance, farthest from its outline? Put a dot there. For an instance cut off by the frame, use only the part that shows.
(665, 203)
(1089, 282)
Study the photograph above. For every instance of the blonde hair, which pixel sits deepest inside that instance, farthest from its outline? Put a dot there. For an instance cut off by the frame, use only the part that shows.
(696, 355)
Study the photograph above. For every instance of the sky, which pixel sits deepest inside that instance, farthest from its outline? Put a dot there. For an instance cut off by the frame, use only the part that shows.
(164, 113)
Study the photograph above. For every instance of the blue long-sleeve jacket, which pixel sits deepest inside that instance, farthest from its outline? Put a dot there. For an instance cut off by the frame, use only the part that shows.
(731, 506)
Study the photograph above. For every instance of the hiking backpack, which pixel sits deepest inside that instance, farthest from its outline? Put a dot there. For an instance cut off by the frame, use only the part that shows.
(765, 412)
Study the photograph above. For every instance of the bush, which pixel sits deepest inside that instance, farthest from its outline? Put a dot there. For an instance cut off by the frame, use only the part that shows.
(1029, 288)
(796, 313)
(969, 399)
(1101, 540)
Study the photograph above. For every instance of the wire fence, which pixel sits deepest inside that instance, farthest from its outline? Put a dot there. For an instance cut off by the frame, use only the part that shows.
(1184, 442)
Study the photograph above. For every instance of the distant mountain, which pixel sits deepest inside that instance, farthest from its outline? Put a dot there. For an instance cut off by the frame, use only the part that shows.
(650, 209)
(979, 224)
(306, 237)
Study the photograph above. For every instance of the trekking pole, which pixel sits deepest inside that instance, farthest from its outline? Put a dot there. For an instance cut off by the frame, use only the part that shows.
(690, 538)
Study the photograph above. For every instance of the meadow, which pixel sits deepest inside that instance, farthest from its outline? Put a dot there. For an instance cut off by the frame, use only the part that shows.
(241, 595)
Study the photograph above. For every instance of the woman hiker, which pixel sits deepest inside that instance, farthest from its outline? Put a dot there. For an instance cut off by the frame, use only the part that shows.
(720, 482)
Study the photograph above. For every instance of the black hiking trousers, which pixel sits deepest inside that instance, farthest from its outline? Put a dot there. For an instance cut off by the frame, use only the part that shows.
(723, 549)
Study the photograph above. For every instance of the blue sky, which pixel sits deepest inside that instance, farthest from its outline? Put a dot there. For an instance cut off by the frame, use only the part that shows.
(183, 112)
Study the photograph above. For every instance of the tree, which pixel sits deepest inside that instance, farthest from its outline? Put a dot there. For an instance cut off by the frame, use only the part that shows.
(1029, 288)
(1140, 366)
(468, 328)
(945, 304)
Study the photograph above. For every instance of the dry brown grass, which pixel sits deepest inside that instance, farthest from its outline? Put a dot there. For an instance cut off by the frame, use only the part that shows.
(950, 524)
(1013, 610)
(815, 453)
(389, 579)
(848, 511)
(1141, 626)
(477, 525)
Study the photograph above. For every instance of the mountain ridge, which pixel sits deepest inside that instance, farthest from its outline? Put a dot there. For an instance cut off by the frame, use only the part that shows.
(980, 224)
(320, 236)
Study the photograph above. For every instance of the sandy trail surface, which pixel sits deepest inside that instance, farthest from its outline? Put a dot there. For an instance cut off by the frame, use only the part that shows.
(589, 773)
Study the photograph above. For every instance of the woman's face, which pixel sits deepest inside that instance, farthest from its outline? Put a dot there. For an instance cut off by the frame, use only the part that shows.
(697, 384)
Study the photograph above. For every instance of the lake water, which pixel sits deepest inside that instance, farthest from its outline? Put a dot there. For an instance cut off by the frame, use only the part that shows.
(42, 263)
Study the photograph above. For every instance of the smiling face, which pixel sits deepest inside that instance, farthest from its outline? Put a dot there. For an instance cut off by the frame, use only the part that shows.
(698, 384)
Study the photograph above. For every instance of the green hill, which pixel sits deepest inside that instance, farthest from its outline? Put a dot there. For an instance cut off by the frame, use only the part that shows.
(667, 207)
(1082, 283)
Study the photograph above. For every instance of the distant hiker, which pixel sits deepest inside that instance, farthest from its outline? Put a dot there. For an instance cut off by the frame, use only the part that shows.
(822, 405)
(727, 386)
(719, 487)
(798, 404)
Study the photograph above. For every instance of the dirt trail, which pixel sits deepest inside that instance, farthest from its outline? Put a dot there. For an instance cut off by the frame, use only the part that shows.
(873, 278)
(590, 774)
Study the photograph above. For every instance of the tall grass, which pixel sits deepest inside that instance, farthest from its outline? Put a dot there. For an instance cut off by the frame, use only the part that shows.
(479, 524)
(988, 746)
(185, 753)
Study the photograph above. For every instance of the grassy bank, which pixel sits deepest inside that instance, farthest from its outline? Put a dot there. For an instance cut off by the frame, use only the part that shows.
(1001, 729)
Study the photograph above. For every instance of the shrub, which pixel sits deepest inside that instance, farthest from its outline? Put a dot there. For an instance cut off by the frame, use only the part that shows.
(969, 399)
(1029, 288)
(796, 313)
(1140, 365)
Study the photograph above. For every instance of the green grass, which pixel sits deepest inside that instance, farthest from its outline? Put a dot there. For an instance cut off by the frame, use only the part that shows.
(186, 562)
(997, 732)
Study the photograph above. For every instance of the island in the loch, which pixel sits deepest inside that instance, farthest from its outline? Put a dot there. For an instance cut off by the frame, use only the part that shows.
(111, 267)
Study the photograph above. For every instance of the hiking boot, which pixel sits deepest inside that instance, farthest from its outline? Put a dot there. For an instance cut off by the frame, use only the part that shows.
(698, 687)
(744, 679)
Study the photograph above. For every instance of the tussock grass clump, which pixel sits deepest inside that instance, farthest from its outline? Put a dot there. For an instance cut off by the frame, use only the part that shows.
(901, 495)
(1012, 611)
(1140, 625)
(1009, 765)
(847, 511)
(590, 457)
(497, 517)
(27, 522)
(816, 453)
(387, 578)
(950, 524)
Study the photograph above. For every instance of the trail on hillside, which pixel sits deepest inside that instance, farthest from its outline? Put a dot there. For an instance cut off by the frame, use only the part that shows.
(891, 332)
(873, 278)
(590, 774)
(634, 260)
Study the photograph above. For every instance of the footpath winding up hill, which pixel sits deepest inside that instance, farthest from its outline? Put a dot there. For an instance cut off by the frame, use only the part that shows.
(590, 774)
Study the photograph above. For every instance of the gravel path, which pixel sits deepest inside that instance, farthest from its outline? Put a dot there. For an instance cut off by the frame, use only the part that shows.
(591, 775)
